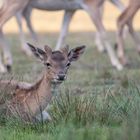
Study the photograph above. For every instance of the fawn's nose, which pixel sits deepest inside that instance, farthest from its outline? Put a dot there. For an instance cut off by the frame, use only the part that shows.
(61, 77)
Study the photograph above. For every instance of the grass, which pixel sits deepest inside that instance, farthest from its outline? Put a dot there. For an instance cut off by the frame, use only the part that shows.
(95, 103)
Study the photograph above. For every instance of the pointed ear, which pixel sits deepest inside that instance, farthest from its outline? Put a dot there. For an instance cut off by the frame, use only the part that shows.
(75, 53)
(65, 50)
(39, 53)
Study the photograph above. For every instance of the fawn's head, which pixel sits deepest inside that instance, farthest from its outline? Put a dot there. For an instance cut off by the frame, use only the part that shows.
(58, 62)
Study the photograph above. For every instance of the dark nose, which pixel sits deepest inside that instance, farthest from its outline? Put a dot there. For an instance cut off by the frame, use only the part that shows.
(61, 77)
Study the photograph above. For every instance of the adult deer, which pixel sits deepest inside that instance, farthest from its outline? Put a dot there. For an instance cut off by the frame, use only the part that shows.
(126, 18)
(26, 14)
(30, 100)
(92, 7)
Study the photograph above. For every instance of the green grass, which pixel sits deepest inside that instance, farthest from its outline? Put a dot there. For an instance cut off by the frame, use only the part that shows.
(95, 103)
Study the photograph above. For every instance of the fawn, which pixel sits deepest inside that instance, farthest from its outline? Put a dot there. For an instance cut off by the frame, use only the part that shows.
(30, 100)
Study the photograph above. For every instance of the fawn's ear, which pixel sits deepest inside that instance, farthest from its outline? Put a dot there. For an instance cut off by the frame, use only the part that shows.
(39, 53)
(75, 53)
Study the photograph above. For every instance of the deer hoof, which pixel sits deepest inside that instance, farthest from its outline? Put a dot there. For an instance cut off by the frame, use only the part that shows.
(101, 49)
(119, 67)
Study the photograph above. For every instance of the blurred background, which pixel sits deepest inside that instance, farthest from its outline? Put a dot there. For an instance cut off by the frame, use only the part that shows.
(97, 101)
(46, 21)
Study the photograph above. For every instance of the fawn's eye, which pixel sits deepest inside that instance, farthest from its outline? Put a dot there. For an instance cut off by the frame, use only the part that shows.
(48, 64)
(68, 64)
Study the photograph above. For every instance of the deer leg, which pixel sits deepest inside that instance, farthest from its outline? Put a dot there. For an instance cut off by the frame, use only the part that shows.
(125, 19)
(2, 67)
(121, 7)
(64, 29)
(122, 21)
(27, 16)
(25, 48)
(120, 43)
(7, 57)
(98, 39)
(133, 33)
(5, 14)
(94, 14)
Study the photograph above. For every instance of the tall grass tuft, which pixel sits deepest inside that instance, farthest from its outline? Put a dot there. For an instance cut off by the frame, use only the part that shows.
(110, 114)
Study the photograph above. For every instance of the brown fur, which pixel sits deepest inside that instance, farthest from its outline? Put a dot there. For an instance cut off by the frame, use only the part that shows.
(29, 100)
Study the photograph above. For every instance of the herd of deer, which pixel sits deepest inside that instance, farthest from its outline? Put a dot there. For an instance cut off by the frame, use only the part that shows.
(30, 100)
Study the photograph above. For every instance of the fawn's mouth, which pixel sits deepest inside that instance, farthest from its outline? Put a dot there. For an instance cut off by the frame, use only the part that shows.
(56, 81)
(59, 79)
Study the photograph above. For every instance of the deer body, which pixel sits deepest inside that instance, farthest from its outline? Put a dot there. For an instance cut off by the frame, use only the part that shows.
(92, 7)
(53, 5)
(28, 101)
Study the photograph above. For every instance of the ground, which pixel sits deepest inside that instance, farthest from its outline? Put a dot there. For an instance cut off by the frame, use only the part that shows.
(95, 102)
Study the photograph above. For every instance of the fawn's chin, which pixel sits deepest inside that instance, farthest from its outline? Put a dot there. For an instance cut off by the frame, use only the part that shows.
(55, 81)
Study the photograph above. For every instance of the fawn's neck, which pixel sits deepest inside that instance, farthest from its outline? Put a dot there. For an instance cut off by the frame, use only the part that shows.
(40, 94)
(31, 102)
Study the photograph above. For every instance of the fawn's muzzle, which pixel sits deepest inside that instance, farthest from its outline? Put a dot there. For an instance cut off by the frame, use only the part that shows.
(61, 77)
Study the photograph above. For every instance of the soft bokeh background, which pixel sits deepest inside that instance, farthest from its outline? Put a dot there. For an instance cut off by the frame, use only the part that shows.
(96, 102)
(45, 21)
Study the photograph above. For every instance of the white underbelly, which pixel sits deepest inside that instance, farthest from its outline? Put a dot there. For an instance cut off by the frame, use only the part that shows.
(53, 5)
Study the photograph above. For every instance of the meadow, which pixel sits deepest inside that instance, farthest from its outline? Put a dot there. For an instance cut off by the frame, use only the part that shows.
(96, 102)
